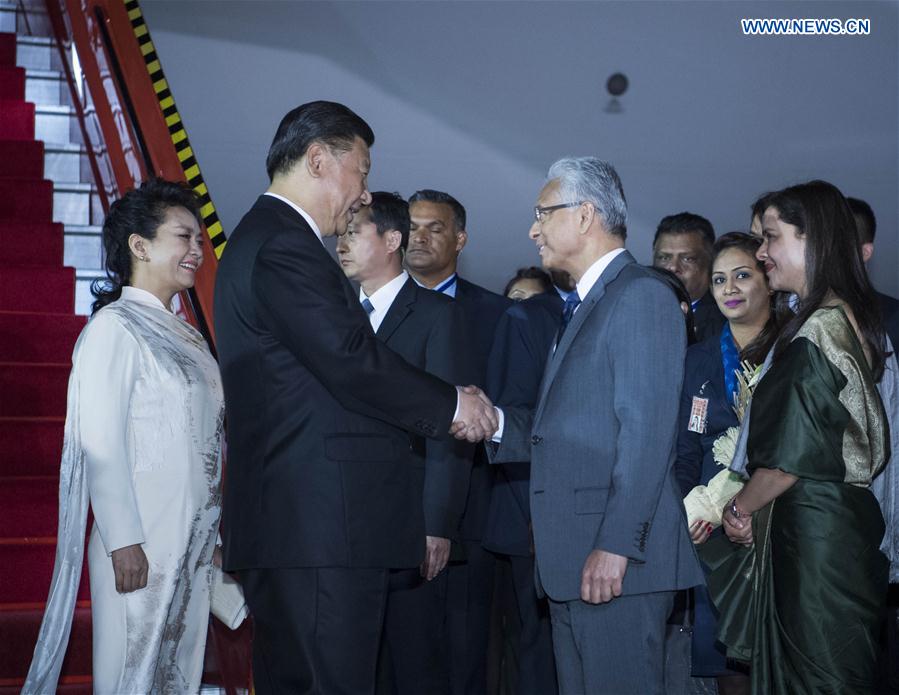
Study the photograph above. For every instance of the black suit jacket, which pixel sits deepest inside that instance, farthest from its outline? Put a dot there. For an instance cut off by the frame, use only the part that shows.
(889, 309)
(426, 329)
(318, 472)
(481, 310)
(707, 317)
(524, 337)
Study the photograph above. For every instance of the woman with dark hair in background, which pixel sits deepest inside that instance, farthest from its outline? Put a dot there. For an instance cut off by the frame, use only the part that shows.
(811, 613)
(741, 291)
(143, 440)
(528, 282)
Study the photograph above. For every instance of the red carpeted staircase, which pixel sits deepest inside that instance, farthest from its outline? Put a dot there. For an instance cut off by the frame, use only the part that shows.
(38, 329)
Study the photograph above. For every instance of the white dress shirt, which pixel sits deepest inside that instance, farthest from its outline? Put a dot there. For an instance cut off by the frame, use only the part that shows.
(383, 298)
(584, 285)
(306, 215)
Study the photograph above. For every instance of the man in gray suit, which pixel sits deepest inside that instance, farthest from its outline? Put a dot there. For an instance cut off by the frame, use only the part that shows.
(611, 539)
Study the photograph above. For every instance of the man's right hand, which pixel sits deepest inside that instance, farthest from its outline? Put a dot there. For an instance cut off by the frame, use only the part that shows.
(477, 419)
(131, 568)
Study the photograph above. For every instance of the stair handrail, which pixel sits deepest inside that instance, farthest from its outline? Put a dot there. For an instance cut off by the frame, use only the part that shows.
(130, 125)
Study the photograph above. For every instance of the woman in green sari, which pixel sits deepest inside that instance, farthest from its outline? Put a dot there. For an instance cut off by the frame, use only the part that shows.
(811, 615)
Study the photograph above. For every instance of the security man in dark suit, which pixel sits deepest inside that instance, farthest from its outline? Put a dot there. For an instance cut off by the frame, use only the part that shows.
(683, 245)
(321, 500)
(427, 330)
(866, 224)
(437, 236)
(524, 338)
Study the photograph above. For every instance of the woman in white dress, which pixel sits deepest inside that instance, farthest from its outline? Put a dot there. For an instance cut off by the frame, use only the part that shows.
(143, 441)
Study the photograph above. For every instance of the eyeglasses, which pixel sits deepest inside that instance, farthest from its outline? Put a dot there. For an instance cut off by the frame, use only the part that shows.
(541, 212)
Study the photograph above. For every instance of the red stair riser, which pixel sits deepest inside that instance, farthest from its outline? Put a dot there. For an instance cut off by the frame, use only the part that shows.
(32, 243)
(7, 49)
(16, 120)
(22, 159)
(37, 337)
(30, 507)
(18, 634)
(31, 582)
(30, 447)
(33, 390)
(26, 200)
(12, 83)
(37, 290)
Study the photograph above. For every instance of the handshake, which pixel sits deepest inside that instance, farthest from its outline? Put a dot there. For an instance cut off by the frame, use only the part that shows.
(477, 419)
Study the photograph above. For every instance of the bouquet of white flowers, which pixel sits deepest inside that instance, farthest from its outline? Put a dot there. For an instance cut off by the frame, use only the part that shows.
(706, 502)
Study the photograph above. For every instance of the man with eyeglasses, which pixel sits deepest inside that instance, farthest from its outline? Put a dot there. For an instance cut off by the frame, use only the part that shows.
(611, 541)
(683, 245)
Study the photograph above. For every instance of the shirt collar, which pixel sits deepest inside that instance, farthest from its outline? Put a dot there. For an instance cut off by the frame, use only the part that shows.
(135, 294)
(588, 279)
(383, 298)
(306, 215)
(447, 286)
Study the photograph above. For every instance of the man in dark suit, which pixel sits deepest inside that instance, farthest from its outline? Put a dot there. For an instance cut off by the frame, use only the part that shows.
(610, 534)
(524, 337)
(866, 223)
(427, 330)
(321, 499)
(683, 245)
(437, 236)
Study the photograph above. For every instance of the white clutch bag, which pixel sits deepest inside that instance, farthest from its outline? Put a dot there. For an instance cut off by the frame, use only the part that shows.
(226, 601)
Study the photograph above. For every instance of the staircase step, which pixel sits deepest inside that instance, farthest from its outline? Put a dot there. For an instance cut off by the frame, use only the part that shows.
(16, 120)
(7, 49)
(22, 159)
(55, 124)
(41, 338)
(12, 83)
(84, 299)
(37, 289)
(33, 390)
(26, 200)
(30, 506)
(19, 628)
(45, 87)
(83, 248)
(30, 446)
(72, 203)
(34, 559)
(66, 163)
(32, 243)
(36, 52)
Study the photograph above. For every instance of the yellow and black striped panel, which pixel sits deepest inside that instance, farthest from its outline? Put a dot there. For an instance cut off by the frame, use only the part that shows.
(176, 127)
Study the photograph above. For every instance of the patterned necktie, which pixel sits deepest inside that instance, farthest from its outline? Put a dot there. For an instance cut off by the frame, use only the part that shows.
(571, 303)
(368, 306)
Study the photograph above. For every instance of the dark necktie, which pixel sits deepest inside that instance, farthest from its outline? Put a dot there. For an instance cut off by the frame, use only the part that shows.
(368, 306)
(571, 303)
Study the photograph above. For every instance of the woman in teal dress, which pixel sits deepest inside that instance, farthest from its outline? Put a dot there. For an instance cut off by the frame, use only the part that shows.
(812, 602)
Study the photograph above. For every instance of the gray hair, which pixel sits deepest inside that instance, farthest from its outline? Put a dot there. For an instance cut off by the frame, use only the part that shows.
(591, 180)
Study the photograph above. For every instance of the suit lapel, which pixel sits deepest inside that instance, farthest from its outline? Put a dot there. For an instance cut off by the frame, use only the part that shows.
(577, 321)
(402, 306)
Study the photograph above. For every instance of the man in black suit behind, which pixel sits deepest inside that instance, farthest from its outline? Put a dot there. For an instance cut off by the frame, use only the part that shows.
(321, 499)
(524, 338)
(427, 330)
(438, 234)
(683, 245)
(866, 223)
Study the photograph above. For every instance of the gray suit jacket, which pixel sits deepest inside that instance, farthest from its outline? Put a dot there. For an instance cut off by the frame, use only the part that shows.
(602, 440)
